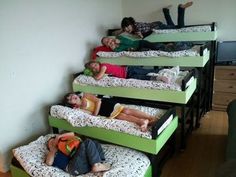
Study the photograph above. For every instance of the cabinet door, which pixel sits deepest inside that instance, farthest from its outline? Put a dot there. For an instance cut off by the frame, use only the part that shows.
(225, 73)
(221, 100)
(227, 86)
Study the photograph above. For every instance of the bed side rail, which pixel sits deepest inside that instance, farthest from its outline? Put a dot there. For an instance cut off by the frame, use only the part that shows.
(163, 122)
(187, 78)
(213, 25)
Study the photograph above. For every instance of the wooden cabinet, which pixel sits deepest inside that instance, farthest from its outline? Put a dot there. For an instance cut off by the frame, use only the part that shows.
(224, 87)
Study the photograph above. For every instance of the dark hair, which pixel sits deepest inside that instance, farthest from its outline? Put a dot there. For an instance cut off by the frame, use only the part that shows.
(88, 65)
(65, 100)
(127, 21)
(102, 41)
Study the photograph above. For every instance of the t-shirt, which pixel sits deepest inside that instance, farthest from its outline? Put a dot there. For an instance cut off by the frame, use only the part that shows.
(115, 70)
(126, 44)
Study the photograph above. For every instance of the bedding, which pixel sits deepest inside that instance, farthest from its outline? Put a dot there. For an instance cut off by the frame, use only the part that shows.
(78, 118)
(194, 51)
(204, 28)
(108, 81)
(124, 162)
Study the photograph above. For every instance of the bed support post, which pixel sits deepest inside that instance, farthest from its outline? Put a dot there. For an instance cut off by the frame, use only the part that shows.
(55, 130)
(199, 97)
(182, 133)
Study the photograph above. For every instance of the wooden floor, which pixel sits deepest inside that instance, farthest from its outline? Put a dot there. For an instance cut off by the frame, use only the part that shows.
(204, 153)
(205, 149)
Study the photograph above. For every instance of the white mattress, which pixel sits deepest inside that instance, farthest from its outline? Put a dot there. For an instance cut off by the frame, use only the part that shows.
(79, 118)
(204, 28)
(124, 162)
(194, 51)
(107, 81)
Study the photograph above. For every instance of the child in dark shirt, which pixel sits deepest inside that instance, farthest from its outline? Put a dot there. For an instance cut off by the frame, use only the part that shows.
(67, 152)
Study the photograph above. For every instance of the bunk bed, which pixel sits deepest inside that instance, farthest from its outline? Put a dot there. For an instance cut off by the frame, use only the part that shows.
(198, 57)
(157, 142)
(150, 89)
(204, 63)
(202, 32)
(29, 161)
(179, 97)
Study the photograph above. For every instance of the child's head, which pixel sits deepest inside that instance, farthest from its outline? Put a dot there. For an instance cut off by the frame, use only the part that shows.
(127, 24)
(108, 41)
(93, 66)
(72, 100)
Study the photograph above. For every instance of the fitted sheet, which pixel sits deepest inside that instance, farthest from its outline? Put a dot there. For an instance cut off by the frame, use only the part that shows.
(124, 162)
(78, 118)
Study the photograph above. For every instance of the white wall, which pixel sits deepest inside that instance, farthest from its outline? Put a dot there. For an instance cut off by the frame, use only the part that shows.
(203, 11)
(41, 44)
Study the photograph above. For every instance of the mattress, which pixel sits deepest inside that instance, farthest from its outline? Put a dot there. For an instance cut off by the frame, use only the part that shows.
(194, 51)
(191, 33)
(124, 162)
(195, 57)
(78, 118)
(108, 81)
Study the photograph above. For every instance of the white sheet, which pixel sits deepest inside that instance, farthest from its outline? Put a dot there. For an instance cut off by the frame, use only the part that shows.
(79, 118)
(124, 162)
(107, 81)
(194, 51)
(204, 28)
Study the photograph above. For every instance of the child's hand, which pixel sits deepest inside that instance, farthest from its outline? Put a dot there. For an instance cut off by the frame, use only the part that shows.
(139, 34)
(117, 41)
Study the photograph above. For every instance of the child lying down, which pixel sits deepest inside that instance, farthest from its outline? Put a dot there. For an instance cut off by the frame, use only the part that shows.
(76, 157)
(108, 108)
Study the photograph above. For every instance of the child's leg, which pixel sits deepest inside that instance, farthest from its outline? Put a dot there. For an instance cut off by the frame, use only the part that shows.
(99, 149)
(79, 163)
(93, 155)
(167, 16)
(140, 115)
(143, 123)
(138, 72)
(181, 12)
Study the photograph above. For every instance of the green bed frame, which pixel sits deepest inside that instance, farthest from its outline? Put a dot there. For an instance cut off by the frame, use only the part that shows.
(195, 61)
(152, 146)
(188, 36)
(171, 96)
(19, 172)
(181, 36)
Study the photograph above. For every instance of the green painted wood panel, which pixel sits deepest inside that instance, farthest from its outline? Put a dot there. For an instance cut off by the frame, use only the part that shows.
(196, 61)
(171, 96)
(143, 144)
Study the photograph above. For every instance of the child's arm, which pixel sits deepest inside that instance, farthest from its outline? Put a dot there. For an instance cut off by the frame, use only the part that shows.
(139, 34)
(96, 100)
(101, 73)
(63, 135)
(51, 155)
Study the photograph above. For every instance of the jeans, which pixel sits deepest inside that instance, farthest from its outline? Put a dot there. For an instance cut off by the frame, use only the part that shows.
(178, 46)
(88, 153)
(169, 21)
(146, 45)
(137, 72)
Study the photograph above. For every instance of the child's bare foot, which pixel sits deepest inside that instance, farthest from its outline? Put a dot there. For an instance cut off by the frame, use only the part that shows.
(97, 167)
(144, 125)
(186, 5)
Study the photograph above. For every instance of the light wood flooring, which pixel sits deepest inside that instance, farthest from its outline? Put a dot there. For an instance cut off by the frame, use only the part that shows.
(204, 153)
(205, 149)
